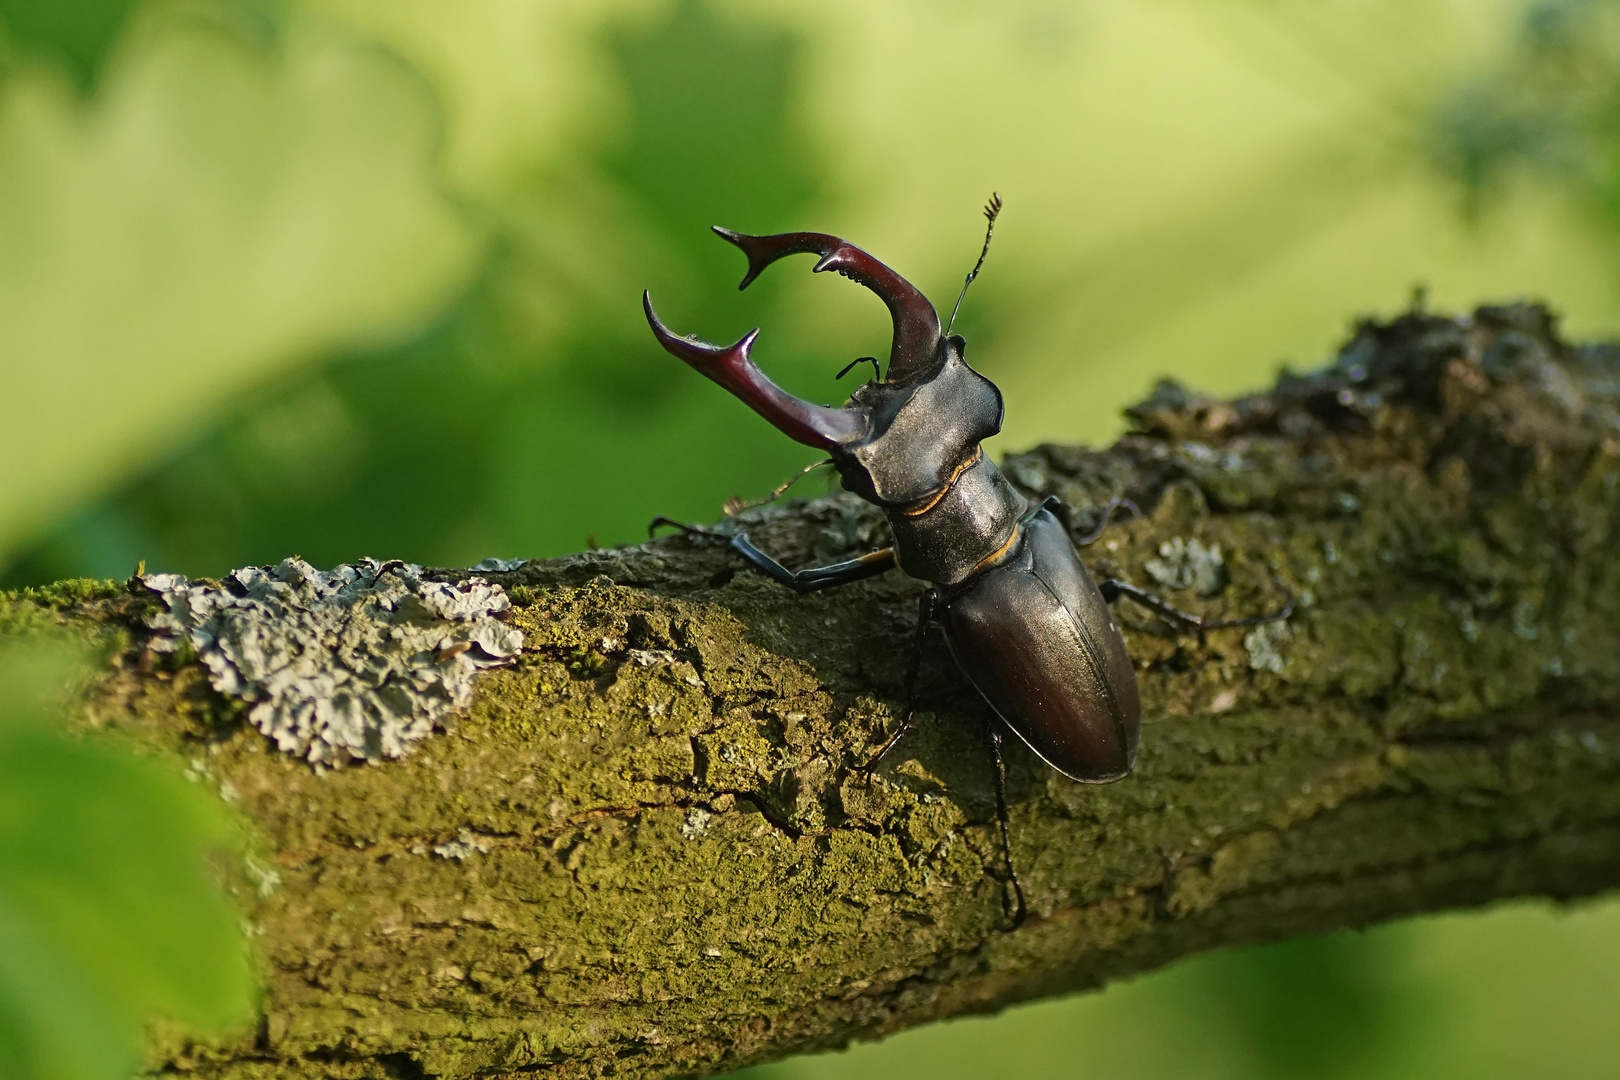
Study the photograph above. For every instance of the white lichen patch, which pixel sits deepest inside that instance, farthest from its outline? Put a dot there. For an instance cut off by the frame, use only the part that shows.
(696, 823)
(1264, 646)
(464, 846)
(1188, 564)
(359, 662)
(500, 566)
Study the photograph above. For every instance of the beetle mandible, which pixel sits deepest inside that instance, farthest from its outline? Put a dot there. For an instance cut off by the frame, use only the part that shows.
(1023, 618)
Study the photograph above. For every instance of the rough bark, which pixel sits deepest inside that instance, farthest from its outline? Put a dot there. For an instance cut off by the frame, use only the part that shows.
(643, 852)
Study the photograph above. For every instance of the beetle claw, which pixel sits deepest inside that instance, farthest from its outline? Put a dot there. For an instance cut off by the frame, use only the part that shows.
(820, 426)
(916, 323)
(709, 359)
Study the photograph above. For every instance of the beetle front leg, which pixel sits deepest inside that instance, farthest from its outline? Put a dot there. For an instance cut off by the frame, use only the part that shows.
(1113, 588)
(810, 580)
(815, 578)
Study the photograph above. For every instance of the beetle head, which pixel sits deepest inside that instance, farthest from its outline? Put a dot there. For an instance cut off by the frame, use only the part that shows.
(897, 438)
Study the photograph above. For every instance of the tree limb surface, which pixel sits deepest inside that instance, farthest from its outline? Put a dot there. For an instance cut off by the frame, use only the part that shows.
(645, 849)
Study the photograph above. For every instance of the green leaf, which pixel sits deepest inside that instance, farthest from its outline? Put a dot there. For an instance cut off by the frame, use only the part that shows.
(109, 913)
(53, 1023)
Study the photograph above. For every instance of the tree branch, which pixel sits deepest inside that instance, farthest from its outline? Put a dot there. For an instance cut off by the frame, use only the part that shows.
(643, 850)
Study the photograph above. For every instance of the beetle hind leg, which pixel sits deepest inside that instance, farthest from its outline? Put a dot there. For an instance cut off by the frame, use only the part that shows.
(1020, 910)
(1114, 506)
(1113, 588)
(1065, 513)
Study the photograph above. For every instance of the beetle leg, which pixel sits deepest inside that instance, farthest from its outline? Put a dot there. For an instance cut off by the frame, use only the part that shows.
(1020, 911)
(1065, 513)
(927, 604)
(1113, 588)
(1279, 615)
(1119, 503)
(815, 578)
(691, 530)
(810, 580)
(889, 744)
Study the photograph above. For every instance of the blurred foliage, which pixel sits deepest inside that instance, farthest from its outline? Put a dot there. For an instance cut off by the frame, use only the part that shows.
(223, 204)
(1516, 991)
(76, 32)
(110, 912)
(1324, 1007)
(540, 379)
(1311, 1007)
(1549, 108)
(347, 277)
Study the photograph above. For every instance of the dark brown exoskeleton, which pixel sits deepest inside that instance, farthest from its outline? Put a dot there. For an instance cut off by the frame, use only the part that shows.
(1024, 620)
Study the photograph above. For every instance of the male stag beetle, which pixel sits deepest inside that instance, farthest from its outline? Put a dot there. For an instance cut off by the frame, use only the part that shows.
(1024, 620)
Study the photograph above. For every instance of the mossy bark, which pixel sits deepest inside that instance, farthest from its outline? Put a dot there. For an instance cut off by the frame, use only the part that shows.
(643, 852)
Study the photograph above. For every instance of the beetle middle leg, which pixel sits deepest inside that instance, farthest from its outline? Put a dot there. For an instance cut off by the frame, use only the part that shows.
(927, 606)
(1113, 588)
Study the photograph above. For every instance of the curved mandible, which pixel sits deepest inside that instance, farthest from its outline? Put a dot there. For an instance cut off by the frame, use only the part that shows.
(916, 323)
(821, 426)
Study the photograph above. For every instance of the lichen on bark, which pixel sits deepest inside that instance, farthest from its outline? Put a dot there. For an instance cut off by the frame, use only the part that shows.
(358, 663)
(644, 850)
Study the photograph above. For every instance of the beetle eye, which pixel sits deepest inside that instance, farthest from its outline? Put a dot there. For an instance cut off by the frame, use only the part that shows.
(959, 343)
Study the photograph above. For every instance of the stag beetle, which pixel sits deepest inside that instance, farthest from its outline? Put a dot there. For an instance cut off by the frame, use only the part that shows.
(1023, 618)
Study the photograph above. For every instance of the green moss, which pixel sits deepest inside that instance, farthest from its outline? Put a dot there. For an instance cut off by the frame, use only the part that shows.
(19, 616)
(65, 594)
(89, 614)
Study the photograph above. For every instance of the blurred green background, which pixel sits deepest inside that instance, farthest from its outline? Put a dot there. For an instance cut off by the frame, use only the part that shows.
(350, 277)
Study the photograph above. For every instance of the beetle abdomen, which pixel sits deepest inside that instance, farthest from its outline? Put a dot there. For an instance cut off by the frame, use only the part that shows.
(1036, 638)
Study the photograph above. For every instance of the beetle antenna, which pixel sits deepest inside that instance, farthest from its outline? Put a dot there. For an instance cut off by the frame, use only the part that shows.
(991, 210)
(735, 506)
(876, 371)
